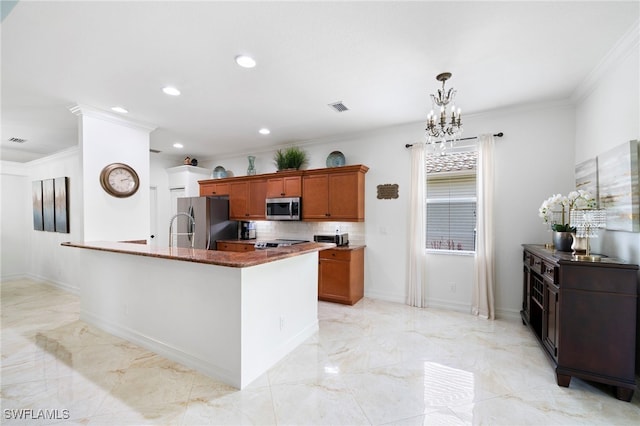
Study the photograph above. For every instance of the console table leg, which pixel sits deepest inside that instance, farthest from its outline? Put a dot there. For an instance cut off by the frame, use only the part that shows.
(563, 380)
(624, 394)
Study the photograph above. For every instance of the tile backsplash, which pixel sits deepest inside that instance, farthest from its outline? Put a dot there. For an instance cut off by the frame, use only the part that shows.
(268, 230)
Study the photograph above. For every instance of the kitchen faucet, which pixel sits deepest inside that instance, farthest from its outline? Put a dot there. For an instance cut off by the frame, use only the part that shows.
(192, 222)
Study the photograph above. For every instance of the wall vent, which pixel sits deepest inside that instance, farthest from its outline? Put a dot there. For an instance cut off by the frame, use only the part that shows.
(339, 106)
(17, 140)
(155, 151)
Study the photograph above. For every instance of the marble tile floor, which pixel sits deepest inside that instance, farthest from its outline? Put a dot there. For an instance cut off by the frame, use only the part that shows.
(375, 363)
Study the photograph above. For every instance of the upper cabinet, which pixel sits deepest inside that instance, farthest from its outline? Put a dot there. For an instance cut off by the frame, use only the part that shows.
(215, 189)
(334, 194)
(331, 194)
(286, 186)
(247, 199)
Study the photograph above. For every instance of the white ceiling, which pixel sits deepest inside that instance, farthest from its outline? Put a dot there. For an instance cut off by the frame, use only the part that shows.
(379, 58)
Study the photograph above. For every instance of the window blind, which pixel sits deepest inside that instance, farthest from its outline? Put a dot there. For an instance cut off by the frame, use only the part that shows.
(451, 212)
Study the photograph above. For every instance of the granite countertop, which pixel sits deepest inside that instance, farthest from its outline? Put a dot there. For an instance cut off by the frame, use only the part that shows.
(253, 241)
(211, 257)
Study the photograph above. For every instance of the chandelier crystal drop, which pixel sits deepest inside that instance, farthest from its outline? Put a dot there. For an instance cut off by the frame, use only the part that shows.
(445, 124)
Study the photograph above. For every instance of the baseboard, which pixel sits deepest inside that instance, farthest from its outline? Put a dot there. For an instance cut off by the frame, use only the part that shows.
(387, 297)
(161, 348)
(13, 277)
(508, 314)
(58, 284)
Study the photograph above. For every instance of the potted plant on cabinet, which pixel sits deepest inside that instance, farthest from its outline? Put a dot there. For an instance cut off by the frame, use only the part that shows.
(562, 231)
(290, 158)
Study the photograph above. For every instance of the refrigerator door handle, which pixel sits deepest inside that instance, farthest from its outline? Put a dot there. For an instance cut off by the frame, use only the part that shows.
(191, 224)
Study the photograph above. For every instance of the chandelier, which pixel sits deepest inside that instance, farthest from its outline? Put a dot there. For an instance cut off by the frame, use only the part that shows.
(441, 126)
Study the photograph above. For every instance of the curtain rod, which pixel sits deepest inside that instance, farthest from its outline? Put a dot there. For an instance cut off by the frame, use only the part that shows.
(497, 135)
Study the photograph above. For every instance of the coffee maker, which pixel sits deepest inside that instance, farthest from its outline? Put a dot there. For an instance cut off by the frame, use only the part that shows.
(247, 230)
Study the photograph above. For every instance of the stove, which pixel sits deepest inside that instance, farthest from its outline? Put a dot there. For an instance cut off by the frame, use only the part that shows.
(277, 243)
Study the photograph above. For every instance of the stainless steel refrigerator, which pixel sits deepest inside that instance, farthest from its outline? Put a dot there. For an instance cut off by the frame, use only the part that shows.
(210, 222)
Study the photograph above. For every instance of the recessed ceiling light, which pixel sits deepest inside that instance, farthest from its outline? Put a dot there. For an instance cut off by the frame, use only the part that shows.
(178, 145)
(264, 131)
(119, 109)
(245, 61)
(171, 91)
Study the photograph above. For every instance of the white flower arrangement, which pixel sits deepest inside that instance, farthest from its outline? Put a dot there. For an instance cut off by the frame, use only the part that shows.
(579, 199)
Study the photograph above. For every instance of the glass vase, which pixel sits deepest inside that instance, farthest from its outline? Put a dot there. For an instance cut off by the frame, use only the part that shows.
(252, 168)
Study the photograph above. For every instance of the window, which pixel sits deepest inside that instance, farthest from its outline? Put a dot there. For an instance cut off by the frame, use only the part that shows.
(451, 201)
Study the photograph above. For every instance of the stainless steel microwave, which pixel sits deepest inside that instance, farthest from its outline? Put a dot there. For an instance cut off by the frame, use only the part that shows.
(284, 208)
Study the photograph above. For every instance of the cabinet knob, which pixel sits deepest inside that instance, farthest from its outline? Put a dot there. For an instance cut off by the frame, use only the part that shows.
(282, 193)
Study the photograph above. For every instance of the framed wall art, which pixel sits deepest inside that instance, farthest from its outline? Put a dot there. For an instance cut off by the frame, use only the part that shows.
(61, 210)
(618, 187)
(50, 201)
(36, 201)
(48, 205)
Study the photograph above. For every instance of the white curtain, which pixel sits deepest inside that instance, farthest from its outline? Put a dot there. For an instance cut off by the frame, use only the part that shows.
(416, 294)
(482, 303)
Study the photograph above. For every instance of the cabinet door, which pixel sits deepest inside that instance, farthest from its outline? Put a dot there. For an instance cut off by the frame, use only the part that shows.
(333, 280)
(526, 293)
(257, 197)
(344, 196)
(551, 315)
(214, 189)
(238, 200)
(315, 197)
(284, 187)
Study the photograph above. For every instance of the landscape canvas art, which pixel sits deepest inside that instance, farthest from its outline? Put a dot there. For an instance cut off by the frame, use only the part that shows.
(48, 206)
(618, 187)
(587, 176)
(36, 201)
(60, 204)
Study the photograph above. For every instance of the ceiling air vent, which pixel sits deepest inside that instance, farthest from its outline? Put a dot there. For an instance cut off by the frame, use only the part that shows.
(155, 151)
(17, 140)
(339, 106)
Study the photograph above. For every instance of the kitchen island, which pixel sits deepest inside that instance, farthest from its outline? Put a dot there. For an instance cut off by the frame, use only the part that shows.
(230, 315)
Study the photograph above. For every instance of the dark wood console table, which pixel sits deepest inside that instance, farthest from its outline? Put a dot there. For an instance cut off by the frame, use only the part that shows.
(584, 316)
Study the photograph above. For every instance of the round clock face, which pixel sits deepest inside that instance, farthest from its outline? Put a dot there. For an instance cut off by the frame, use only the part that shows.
(119, 180)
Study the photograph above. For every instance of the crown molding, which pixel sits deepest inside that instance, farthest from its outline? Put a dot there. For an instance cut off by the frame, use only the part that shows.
(73, 151)
(629, 43)
(89, 111)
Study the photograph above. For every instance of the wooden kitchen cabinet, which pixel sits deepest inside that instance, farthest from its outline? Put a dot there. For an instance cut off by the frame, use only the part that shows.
(290, 186)
(247, 199)
(236, 246)
(215, 189)
(583, 314)
(334, 194)
(341, 275)
(328, 194)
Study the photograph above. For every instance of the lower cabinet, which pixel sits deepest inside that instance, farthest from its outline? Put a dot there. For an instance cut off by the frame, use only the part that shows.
(341, 275)
(239, 246)
(583, 313)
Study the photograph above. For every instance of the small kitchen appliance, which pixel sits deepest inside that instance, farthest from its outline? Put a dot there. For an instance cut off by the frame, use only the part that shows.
(337, 239)
(283, 208)
(247, 230)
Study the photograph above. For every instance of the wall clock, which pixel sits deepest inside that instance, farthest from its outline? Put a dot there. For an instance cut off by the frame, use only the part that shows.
(119, 180)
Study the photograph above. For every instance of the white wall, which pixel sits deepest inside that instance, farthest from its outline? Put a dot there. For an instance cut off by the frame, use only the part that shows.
(533, 161)
(47, 259)
(15, 219)
(607, 115)
(106, 141)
